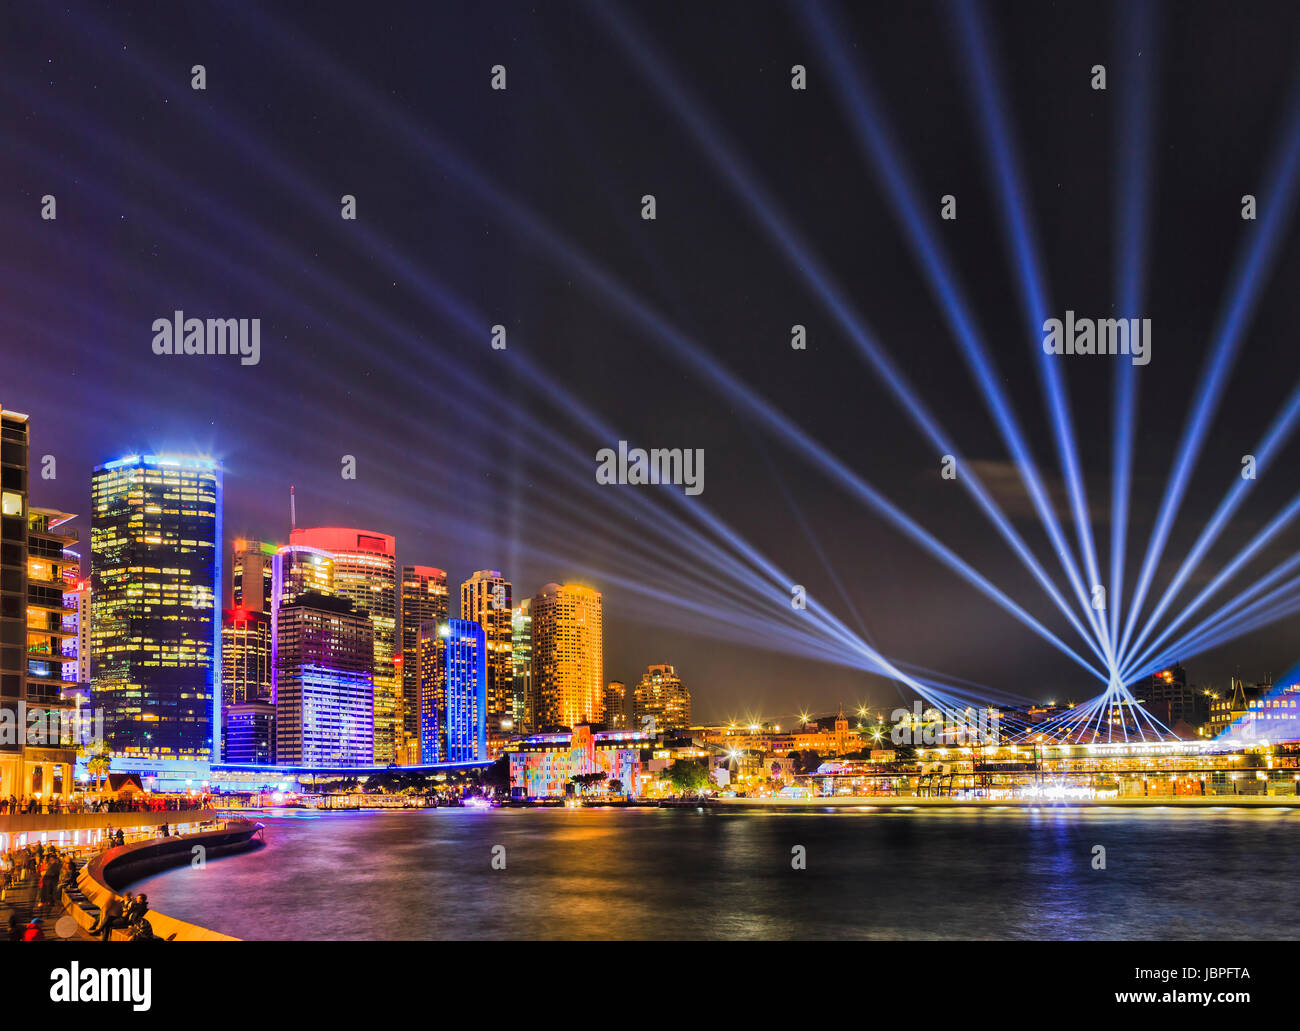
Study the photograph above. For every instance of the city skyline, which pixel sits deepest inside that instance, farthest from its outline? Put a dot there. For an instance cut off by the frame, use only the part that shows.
(489, 463)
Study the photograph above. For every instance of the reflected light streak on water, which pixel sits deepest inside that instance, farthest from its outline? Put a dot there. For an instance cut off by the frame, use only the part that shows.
(672, 874)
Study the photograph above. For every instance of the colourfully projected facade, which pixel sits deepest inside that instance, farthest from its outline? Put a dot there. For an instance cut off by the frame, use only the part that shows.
(155, 568)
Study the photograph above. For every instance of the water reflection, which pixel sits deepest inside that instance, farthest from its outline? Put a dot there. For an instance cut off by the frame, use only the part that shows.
(689, 874)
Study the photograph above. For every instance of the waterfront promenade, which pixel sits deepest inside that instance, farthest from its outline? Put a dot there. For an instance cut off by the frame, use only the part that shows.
(902, 802)
(104, 872)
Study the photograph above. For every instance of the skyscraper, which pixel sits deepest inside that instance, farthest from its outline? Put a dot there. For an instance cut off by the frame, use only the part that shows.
(453, 691)
(615, 705)
(485, 599)
(324, 689)
(246, 654)
(155, 569)
(662, 696)
(424, 600)
(521, 661)
(246, 675)
(251, 575)
(365, 572)
(568, 655)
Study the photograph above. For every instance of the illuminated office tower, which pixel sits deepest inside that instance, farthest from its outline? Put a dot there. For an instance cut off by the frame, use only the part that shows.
(521, 661)
(615, 705)
(245, 669)
(155, 571)
(296, 570)
(662, 696)
(365, 572)
(568, 656)
(251, 575)
(324, 686)
(453, 691)
(431, 661)
(485, 600)
(424, 599)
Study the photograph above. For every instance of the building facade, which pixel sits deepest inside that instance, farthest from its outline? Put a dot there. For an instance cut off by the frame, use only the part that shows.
(37, 750)
(521, 661)
(568, 656)
(485, 599)
(365, 572)
(155, 570)
(546, 765)
(616, 708)
(423, 600)
(324, 687)
(453, 691)
(662, 696)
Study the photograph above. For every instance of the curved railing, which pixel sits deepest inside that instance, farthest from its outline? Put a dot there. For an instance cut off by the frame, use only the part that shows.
(106, 874)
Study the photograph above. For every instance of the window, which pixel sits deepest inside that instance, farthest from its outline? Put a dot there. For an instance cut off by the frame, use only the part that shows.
(11, 504)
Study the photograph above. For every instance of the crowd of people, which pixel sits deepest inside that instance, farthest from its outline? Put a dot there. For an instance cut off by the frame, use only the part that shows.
(48, 870)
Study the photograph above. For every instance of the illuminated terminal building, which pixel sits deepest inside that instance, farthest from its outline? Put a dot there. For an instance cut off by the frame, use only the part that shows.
(365, 572)
(453, 692)
(544, 765)
(155, 566)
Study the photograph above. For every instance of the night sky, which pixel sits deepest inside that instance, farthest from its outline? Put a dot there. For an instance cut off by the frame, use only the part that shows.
(479, 207)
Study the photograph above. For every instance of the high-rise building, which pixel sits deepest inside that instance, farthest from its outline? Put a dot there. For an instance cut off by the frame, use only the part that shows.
(246, 674)
(324, 687)
(252, 575)
(568, 656)
(424, 600)
(521, 661)
(13, 595)
(249, 732)
(155, 569)
(615, 705)
(52, 568)
(662, 696)
(246, 650)
(453, 691)
(485, 599)
(365, 572)
(76, 650)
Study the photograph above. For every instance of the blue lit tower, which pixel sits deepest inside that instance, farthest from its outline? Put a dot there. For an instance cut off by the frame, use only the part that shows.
(155, 568)
(453, 691)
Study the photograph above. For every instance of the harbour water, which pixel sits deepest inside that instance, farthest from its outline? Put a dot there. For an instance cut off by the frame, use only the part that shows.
(671, 874)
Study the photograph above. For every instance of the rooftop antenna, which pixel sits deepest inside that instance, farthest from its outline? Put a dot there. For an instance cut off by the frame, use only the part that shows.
(293, 511)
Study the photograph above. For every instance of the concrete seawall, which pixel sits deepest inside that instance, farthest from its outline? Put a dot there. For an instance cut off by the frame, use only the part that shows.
(107, 874)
